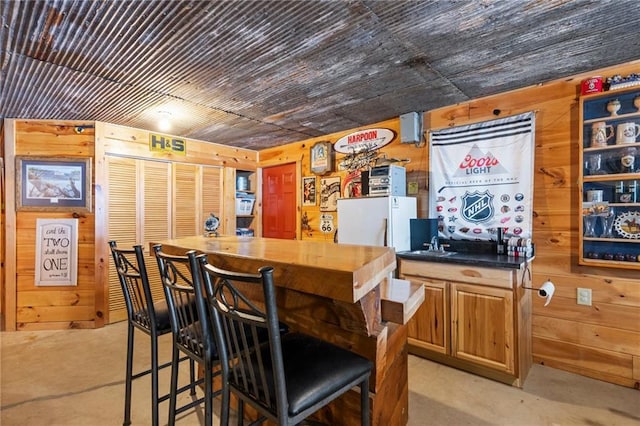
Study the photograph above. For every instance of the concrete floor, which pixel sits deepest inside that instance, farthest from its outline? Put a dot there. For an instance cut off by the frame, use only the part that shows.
(75, 377)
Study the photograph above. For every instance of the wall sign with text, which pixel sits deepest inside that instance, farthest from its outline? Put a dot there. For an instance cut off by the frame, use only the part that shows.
(169, 144)
(481, 178)
(56, 252)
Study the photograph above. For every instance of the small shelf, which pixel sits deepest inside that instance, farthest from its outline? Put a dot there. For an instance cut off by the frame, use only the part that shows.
(611, 147)
(621, 264)
(613, 117)
(615, 240)
(611, 177)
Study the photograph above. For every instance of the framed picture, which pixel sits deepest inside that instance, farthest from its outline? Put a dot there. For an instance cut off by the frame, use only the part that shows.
(329, 193)
(322, 158)
(56, 252)
(309, 191)
(52, 184)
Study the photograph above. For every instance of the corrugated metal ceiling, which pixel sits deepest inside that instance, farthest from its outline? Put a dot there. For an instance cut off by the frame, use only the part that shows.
(262, 73)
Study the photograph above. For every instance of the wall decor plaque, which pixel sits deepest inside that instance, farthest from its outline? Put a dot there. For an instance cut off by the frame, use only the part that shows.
(56, 252)
(322, 158)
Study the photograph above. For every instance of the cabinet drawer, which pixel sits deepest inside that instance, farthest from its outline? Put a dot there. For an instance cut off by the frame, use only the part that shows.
(494, 277)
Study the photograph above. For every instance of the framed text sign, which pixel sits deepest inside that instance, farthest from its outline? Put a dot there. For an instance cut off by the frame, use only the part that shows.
(56, 252)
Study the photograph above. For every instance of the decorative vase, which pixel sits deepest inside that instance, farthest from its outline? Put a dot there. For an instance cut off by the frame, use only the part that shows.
(590, 226)
(613, 106)
(607, 224)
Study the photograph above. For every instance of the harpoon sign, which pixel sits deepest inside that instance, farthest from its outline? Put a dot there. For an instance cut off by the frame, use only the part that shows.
(364, 140)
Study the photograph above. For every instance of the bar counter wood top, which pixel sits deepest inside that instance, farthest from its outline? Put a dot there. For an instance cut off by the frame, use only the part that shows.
(331, 291)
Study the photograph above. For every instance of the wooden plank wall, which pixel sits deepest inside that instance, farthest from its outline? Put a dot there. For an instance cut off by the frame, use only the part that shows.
(416, 168)
(27, 307)
(600, 341)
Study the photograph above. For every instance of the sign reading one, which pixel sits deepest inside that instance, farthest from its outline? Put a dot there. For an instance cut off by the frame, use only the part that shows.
(166, 143)
(364, 140)
(56, 252)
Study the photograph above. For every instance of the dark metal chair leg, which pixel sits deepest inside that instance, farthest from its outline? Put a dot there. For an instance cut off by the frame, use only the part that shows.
(154, 380)
(128, 378)
(192, 376)
(240, 411)
(224, 405)
(208, 395)
(175, 363)
(364, 402)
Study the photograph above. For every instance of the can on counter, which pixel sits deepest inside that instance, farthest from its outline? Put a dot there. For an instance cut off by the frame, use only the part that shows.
(592, 85)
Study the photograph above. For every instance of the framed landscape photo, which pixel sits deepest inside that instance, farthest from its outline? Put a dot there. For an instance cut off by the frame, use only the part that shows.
(53, 184)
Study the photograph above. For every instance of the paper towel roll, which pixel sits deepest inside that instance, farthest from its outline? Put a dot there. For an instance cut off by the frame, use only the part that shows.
(546, 290)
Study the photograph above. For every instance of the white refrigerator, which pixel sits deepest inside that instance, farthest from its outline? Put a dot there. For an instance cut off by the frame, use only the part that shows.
(376, 221)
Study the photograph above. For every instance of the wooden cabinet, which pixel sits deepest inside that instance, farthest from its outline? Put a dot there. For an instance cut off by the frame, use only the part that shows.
(609, 180)
(473, 318)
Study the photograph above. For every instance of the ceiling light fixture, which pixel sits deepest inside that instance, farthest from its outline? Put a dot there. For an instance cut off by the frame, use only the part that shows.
(164, 121)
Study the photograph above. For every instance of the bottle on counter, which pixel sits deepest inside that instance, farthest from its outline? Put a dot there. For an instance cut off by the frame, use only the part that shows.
(499, 241)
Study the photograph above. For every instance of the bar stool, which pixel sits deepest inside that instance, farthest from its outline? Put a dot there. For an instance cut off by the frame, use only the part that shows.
(152, 318)
(191, 326)
(290, 377)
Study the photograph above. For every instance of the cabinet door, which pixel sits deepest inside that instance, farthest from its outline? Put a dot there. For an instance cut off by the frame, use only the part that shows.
(429, 326)
(482, 328)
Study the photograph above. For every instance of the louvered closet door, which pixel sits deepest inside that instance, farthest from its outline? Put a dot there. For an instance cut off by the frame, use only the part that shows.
(185, 200)
(138, 213)
(155, 222)
(211, 198)
(122, 204)
(197, 193)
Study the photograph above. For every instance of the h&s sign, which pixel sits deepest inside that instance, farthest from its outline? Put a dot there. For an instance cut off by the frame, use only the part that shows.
(167, 144)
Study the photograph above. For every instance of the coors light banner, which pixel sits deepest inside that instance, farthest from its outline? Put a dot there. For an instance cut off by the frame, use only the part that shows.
(481, 178)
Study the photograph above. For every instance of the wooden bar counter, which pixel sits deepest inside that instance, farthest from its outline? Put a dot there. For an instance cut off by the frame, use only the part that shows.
(331, 291)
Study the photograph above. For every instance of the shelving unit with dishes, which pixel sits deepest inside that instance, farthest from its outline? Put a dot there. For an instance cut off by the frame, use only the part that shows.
(610, 179)
(245, 203)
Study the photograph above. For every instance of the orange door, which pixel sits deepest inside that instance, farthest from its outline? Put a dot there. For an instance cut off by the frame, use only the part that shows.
(279, 203)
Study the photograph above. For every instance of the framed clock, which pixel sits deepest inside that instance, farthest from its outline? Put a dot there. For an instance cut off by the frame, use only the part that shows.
(322, 158)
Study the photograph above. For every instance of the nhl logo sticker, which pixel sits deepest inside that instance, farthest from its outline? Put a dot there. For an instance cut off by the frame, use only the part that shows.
(477, 206)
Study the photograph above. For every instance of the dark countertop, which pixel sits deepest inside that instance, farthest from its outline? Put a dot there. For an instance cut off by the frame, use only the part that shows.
(479, 259)
(470, 253)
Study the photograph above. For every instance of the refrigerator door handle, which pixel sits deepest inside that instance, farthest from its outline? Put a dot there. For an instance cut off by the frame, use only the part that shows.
(386, 229)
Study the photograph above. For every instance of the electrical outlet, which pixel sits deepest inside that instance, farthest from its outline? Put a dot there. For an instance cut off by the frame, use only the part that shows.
(584, 296)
